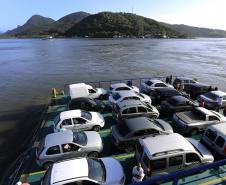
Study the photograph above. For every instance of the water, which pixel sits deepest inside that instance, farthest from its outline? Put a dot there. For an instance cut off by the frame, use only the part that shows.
(29, 68)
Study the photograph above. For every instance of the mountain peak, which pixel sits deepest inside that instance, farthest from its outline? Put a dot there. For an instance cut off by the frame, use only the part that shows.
(38, 20)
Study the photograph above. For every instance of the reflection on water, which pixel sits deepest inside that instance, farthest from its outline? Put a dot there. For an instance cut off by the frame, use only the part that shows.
(30, 67)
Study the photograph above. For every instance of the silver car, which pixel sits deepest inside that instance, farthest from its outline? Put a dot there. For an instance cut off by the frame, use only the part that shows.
(68, 144)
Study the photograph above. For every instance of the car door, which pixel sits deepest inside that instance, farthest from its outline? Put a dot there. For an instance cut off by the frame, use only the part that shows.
(131, 112)
(142, 111)
(80, 124)
(53, 154)
(191, 159)
(71, 150)
(67, 124)
(175, 163)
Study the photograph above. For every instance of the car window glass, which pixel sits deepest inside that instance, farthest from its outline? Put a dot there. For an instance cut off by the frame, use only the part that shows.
(158, 164)
(152, 131)
(210, 135)
(122, 89)
(125, 111)
(142, 109)
(69, 147)
(53, 150)
(66, 122)
(160, 85)
(192, 157)
(132, 110)
(213, 118)
(176, 160)
(79, 121)
(91, 91)
(220, 142)
(149, 83)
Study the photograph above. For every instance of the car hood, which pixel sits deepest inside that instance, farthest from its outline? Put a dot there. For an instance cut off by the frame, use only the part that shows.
(97, 118)
(114, 171)
(207, 156)
(102, 91)
(167, 127)
(94, 140)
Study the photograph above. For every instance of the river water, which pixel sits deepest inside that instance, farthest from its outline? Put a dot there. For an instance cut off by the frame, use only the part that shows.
(30, 67)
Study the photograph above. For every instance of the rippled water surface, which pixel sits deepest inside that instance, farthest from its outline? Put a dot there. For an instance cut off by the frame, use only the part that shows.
(30, 67)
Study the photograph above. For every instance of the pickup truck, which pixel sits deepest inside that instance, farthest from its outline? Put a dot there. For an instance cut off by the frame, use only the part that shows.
(84, 90)
(196, 120)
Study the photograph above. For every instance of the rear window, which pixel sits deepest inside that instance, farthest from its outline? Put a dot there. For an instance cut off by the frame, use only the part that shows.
(116, 96)
(123, 129)
(87, 115)
(80, 138)
(210, 135)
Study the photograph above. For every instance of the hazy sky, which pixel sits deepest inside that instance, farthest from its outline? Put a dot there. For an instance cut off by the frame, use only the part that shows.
(201, 13)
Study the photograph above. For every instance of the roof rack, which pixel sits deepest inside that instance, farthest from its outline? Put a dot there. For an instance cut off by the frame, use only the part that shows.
(167, 152)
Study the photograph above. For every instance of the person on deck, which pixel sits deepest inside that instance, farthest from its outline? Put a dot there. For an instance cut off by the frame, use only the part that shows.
(138, 173)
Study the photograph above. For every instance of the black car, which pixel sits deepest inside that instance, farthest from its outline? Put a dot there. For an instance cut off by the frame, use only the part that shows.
(176, 104)
(185, 81)
(197, 89)
(87, 104)
(162, 94)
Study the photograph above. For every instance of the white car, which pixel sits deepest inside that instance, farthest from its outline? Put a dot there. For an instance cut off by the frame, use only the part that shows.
(104, 171)
(150, 85)
(128, 95)
(78, 120)
(122, 87)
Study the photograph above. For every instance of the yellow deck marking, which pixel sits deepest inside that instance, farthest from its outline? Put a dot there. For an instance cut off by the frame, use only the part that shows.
(217, 180)
(123, 156)
(34, 173)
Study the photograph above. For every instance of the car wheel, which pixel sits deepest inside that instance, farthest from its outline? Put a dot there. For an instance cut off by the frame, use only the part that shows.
(46, 165)
(129, 148)
(96, 128)
(93, 154)
(194, 131)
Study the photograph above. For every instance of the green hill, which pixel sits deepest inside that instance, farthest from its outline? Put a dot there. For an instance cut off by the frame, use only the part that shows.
(108, 24)
(36, 25)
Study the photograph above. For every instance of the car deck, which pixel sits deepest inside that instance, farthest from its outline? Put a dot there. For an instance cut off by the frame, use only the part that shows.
(33, 174)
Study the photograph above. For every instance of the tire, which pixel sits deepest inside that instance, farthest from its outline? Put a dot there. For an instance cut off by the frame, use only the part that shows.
(46, 165)
(194, 131)
(129, 148)
(96, 128)
(93, 154)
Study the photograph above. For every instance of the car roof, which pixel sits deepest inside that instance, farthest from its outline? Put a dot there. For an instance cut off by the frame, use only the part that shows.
(156, 81)
(128, 103)
(58, 138)
(178, 98)
(166, 89)
(184, 78)
(116, 85)
(221, 128)
(139, 123)
(70, 113)
(69, 169)
(218, 93)
(127, 93)
(161, 144)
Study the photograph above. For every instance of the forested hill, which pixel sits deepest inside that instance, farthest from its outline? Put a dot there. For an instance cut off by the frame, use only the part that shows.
(108, 24)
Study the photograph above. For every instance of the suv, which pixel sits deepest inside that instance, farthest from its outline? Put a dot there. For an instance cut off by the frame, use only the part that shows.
(85, 171)
(68, 144)
(185, 81)
(197, 89)
(133, 108)
(128, 131)
(215, 138)
(163, 154)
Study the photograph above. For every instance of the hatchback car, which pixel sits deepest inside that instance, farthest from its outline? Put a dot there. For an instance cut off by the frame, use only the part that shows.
(68, 144)
(126, 133)
(122, 87)
(85, 171)
(150, 85)
(87, 104)
(128, 95)
(78, 120)
(210, 99)
(133, 108)
(177, 104)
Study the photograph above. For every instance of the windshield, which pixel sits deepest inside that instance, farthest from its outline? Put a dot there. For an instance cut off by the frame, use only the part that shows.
(56, 119)
(158, 125)
(211, 96)
(80, 138)
(116, 96)
(97, 170)
(87, 115)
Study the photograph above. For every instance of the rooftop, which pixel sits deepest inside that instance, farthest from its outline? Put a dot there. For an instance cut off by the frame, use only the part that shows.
(58, 138)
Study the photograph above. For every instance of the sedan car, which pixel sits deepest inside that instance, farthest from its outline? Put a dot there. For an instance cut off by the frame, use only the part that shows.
(87, 104)
(68, 144)
(85, 171)
(210, 99)
(128, 131)
(177, 104)
(150, 85)
(122, 87)
(196, 120)
(128, 95)
(78, 120)
(186, 81)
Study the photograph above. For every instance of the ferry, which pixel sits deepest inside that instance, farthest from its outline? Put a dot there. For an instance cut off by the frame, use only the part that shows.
(25, 169)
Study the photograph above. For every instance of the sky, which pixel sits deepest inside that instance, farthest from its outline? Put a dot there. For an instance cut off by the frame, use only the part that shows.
(200, 13)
